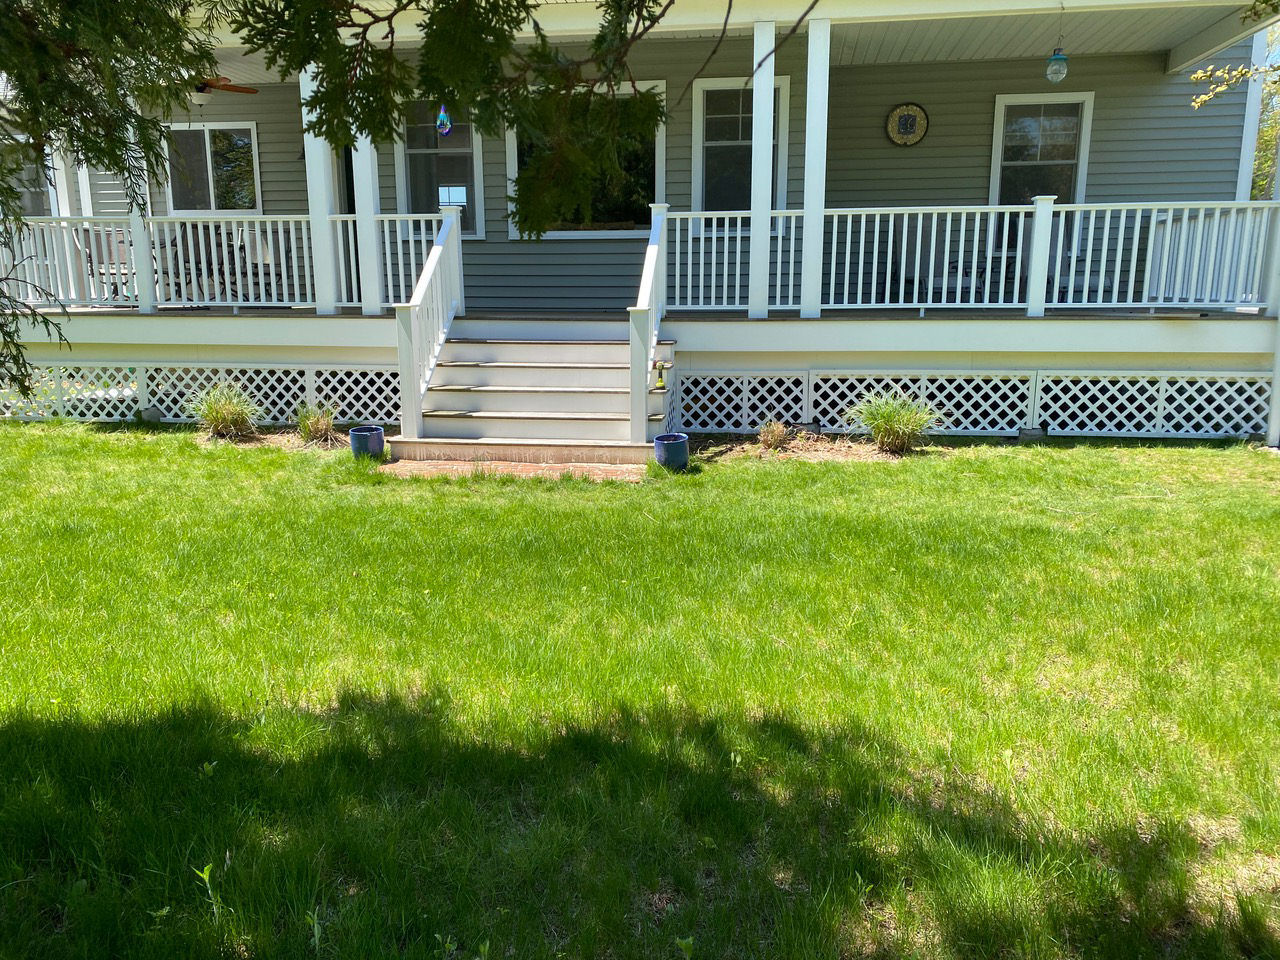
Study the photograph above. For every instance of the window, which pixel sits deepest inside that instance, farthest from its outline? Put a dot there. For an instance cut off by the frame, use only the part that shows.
(213, 167)
(722, 125)
(33, 191)
(1041, 147)
(621, 208)
(441, 171)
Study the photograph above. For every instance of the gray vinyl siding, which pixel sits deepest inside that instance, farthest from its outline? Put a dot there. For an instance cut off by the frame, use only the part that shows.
(1147, 141)
(107, 193)
(277, 111)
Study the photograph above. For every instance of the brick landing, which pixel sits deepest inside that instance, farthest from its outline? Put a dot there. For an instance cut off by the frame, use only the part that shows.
(627, 472)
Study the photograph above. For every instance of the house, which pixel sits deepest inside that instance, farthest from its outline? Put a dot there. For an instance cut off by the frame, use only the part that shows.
(900, 197)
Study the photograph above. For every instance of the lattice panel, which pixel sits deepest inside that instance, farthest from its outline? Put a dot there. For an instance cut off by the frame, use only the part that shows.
(711, 403)
(365, 396)
(277, 390)
(43, 401)
(997, 404)
(1116, 406)
(1208, 407)
(969, 404)
(834, 395)
(99, 393)
(1175, 405)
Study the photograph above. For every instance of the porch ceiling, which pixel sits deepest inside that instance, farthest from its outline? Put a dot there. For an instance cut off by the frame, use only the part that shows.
(1006, 37)
(1013, 37)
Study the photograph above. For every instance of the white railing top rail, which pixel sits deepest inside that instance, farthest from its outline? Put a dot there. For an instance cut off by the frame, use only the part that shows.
(1171, 205)
(432, 266)
(648, 293)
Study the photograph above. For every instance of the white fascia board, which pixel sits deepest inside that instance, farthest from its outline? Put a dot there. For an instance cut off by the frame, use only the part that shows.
(1224, 33)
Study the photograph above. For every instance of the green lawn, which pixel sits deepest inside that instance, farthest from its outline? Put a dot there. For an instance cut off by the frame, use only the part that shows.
(994, 701)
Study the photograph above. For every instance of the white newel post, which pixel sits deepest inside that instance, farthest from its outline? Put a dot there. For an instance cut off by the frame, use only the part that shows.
(658, 213)
(1273, 419)
(1272, 292)
(321, 205)
(639, 409)
(453, 215)
(1038, 255)
(410, 376)
(364, 177)
(762, 61)
(815, 167)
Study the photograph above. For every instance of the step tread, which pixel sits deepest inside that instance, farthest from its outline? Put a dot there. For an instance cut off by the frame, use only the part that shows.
(543, 341)
(516, 442)
(488, 388)
(532, 365)
(531, 415)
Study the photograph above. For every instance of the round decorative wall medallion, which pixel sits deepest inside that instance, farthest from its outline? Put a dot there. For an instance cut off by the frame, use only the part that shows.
(907, 124)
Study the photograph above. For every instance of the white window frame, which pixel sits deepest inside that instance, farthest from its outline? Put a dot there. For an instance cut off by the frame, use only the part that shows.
(206, 125)
(781, 83)
(1084, 98)
(659, 181)
(477, 173)
(52, 182)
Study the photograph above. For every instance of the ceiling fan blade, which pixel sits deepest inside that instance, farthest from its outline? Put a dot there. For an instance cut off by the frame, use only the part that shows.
(233, 88)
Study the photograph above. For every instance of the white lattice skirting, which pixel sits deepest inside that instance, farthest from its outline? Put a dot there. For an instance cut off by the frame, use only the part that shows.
(1070, 403)
(91, 391)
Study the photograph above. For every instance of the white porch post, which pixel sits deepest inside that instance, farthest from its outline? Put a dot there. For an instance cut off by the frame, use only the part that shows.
(364, 176)
(761, 169)
(1038, 255)
(321, 204)
(85, 187)
(815, 166)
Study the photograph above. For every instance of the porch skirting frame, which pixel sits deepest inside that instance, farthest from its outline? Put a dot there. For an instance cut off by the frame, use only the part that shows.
(1151, 404)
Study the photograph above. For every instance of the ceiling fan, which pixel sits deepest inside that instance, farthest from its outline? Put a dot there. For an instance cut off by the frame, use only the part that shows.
(203, 92)
(224, 84)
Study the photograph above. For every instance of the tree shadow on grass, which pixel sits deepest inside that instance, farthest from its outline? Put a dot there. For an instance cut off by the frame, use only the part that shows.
(381, 827)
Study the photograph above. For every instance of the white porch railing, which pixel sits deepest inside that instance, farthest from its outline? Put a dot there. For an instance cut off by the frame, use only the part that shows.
(232, 261)
(71, 260)
(645, 318)
(1160, 255)
(404, 241)
(423, 323)
(1028, 257)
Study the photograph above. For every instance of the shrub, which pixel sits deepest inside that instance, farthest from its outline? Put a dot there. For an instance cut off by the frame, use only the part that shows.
(225, 410)
(897, 422)
(773, 435)
(315, 425)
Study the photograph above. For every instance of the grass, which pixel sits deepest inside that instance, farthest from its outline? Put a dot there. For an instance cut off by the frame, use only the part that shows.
(998, 701)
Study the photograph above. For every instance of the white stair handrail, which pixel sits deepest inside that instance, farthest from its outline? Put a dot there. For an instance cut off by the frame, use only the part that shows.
(423, 323)
(645, 318)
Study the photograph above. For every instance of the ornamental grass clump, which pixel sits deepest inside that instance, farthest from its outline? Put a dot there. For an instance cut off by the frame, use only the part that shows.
(774, 435)
(896, 421)
(315, 425)
(226, 410)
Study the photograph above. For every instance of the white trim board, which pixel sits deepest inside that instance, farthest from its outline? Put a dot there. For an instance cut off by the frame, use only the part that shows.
(1252, 119)
(206, 125)
(659, 181)
(401, 169)
(781, 83)
(1084, 97)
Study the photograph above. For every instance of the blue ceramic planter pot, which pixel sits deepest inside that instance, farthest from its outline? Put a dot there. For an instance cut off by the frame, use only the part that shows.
(367, 440)
(671, 450)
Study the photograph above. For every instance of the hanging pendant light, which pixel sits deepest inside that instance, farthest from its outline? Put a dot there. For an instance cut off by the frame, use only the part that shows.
(1055, 70)
(443, 124)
